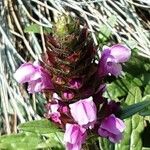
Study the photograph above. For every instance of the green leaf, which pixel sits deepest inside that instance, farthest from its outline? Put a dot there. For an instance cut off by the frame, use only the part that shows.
(39, 134)
(105, 32)
(105, 144)
(27, 141)
(35, 28)
(133, 109)
(138, 66)
(147, 90)
(134, 124)
(20, 141)
(146, 148)
(121, 86)
(117, 88)
(146, 111)
(55, 141)
(39, 126)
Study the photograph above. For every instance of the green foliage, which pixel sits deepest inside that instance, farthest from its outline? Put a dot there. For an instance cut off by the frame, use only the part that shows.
(106, 32)
(146, 111)
(145, 148)
(20, 141)
(137, 73)
(135, 108)
(40, 134)
(121, 86)
(35, 28)
(39, 126)
(147, 90)
(134, 124)
(105, 144)
(138, 67)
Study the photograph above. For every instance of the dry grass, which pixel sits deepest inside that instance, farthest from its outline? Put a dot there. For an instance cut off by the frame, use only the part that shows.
(16, 46)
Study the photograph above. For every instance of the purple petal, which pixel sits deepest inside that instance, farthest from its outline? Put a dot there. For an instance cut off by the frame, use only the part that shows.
(55, 117)
(108, 65)
(56, 97)
(76, 146)
(87, 108)
(101, 89)
(114, 69)
(111, 57)
(35, 86)
(115, 138)
(53, 113)
(35, 75)
(120, 52)
(42, 83)
(103, 133)
(24, 73)
(46, 80)
(74, 133)
(69, 136)
(113, 125)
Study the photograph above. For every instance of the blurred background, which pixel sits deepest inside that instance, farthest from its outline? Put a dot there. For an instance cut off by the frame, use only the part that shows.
(22, 24)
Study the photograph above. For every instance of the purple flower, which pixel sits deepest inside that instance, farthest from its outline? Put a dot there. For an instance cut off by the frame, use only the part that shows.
(53, 113)
(38, 79)
(112, 127)
(57, 111)
(84, 112)
(74, 136)
(111, 59)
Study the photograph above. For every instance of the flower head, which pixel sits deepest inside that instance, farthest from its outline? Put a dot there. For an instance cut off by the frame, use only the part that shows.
(84, 112)
(112, 127)
(38, 79)
(111, 59)
(74, 136)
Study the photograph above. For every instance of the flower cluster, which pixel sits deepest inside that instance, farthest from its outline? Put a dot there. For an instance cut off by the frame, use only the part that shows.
(84, 116)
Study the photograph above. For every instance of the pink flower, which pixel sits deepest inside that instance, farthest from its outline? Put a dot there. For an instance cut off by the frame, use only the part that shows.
(111, 59)
(74, 136)
(84, 112)
(112, 127)
(53, 113)
(56, 109)
(38, 79)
